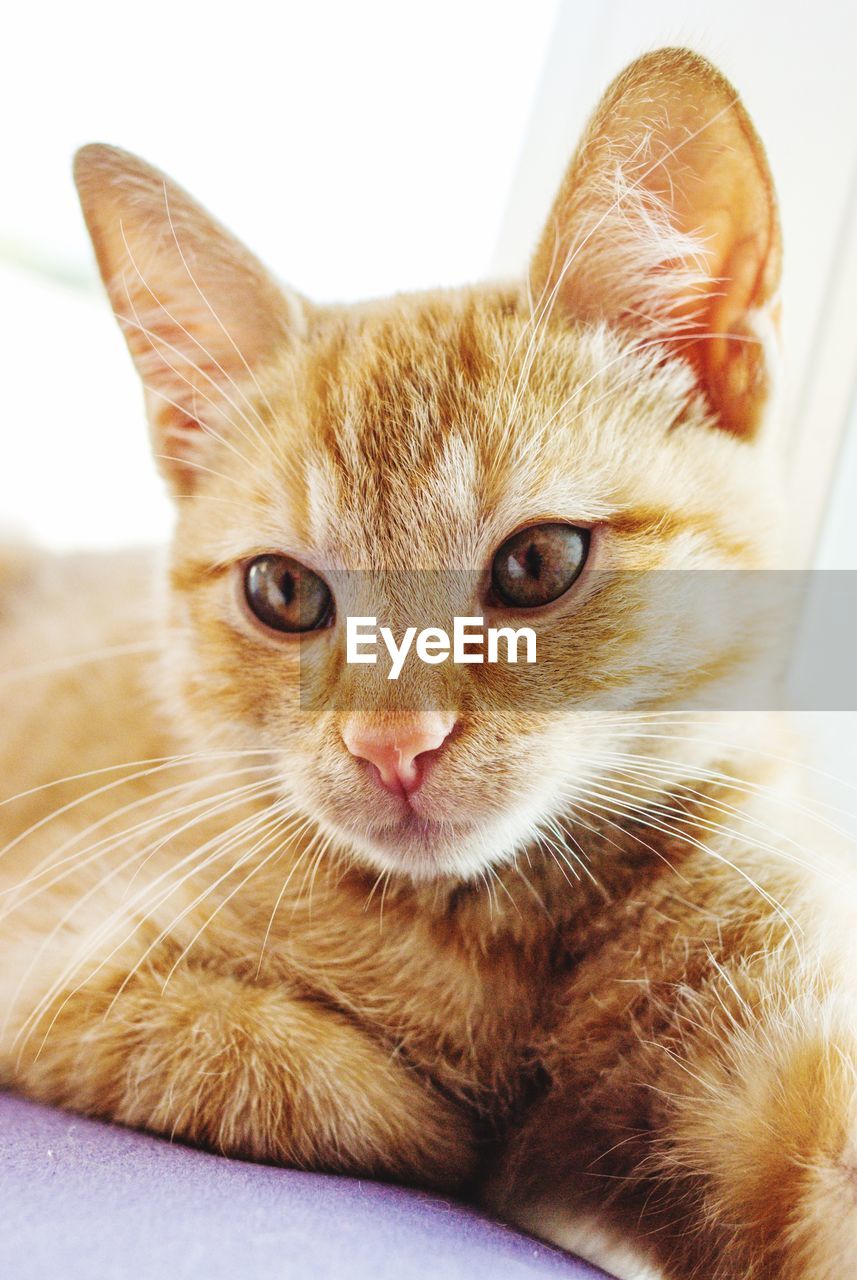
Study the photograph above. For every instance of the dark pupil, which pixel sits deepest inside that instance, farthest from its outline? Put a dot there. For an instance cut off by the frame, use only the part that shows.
(534, 561)
(539, 564)
(286, 595)
(287, 588)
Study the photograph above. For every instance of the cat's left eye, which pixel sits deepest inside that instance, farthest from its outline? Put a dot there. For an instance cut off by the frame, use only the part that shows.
(537, 565)
(285, 595)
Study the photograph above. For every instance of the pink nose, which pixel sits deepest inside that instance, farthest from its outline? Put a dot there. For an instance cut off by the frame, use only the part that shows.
(400, 749)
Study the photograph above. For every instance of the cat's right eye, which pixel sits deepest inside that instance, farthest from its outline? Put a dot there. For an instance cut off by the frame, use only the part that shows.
(287, 596)
(538, 564)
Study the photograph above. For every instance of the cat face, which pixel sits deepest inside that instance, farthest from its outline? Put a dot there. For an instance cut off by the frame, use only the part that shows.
(390, 451)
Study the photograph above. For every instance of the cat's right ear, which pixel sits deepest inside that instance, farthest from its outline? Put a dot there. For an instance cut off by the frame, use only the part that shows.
(666, 226)
(199, 312)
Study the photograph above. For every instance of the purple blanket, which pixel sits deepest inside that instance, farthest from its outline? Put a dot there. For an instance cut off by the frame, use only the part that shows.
(83, 1200)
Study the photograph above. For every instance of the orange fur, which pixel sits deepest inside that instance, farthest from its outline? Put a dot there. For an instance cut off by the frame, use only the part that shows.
(591, 978)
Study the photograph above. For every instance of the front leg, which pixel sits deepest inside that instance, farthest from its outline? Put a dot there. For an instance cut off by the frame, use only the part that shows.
(249, 1070)
(711, 1115)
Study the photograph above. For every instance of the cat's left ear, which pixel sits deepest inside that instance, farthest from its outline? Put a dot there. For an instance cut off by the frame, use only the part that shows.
(199, 312)
(666, 225)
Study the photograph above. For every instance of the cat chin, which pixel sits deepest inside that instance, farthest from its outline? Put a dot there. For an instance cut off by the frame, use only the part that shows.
(424, 850)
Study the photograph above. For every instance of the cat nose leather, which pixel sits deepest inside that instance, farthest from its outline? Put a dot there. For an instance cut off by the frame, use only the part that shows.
(400, 749)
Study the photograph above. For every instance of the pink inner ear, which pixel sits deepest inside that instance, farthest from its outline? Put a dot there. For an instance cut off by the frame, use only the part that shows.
(188, 424)
(181, 437)
(730, 205)
(177, 445)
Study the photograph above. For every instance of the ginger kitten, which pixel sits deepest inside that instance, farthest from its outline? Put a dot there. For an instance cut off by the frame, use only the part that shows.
(534, 937)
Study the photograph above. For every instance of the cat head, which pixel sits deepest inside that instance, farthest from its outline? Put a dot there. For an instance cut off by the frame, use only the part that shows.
(519, 453)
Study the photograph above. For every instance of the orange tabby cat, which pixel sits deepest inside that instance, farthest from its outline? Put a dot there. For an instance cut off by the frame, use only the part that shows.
(531, 937)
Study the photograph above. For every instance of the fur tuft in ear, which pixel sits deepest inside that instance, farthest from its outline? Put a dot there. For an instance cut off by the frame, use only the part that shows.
(666, 224)
(198, 311)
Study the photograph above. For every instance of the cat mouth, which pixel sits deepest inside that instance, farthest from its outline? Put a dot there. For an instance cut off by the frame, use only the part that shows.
(413, 826)
(415, 844)
(399, 817)
(420, 835)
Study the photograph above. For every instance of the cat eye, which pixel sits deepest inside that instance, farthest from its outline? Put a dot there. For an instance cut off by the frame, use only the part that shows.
(286, 595)
(538, 564)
